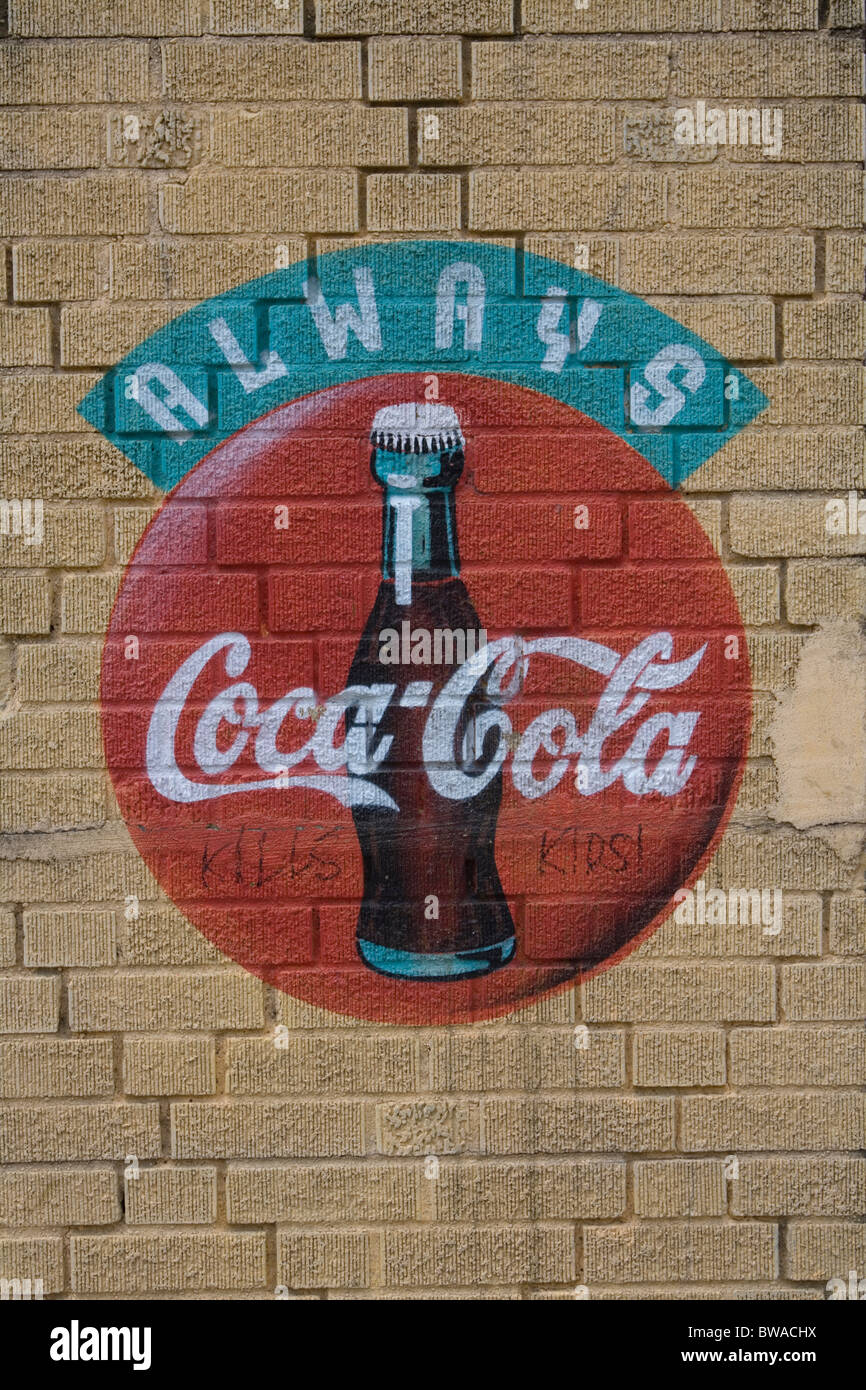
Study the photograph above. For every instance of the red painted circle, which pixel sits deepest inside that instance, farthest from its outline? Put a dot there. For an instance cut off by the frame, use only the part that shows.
(273, 877)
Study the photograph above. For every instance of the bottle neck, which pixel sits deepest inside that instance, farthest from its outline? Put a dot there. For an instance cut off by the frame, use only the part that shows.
(419, 537)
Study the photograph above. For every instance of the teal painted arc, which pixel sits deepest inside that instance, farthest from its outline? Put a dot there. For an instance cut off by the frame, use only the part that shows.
(271, 315)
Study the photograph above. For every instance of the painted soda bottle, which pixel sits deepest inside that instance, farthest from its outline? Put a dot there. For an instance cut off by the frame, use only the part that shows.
(433, 906)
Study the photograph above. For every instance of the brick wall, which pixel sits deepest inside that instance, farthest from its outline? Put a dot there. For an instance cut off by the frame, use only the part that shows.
(705, 1143)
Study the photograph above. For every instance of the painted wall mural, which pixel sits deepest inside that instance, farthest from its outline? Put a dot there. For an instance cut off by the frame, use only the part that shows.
(425, 692)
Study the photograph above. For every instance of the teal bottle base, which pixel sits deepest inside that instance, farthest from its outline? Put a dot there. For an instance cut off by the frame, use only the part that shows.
(427, 965)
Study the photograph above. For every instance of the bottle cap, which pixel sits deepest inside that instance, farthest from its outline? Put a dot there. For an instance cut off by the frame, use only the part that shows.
(416, 427)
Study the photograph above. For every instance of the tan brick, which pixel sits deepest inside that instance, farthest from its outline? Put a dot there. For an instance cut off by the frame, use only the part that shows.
(797, 1057)
(317, 1259)
(758, 794)
(573, 1190)
(769, 1120)
(478, 1256)
(67, 666)
(55, 270)
(404, 17)
(77, 937)
(74, 535)
(314, 135)
(718, 263)
(800, 934)
(846, 14)
(790, 459)
(43, 404)
(64, 870)
(171, 1197)
(306, 1192)
(437, 1126)
(812, 131)
(66, 1067)
(602, 253)
(251, 17)
(680, 993)
(844, 255)
(707, 1293)
(543, 69)
(682, 1057)
(46, 802)
(680, 1187)
(787, 526)
(547, 199)
(52, 139)
(414, 69)
(668, 1250)
(756, 589)
(7, 936)
(25, 603)
(824, 991)
(25, 337)
(169, 1066)
(104, 18)
(261, 69)
(70, 738)
(155, 1000)
(28, 1004)
(848, 924)
(288, 202)
(825, 1250)
(194, 269)
(799, 1187)
(761, 68)
(319, 1065)
(64, 1133)
(472, 1061)
(80, 71)
(401, 1295)
(130, 524)
(96, 335)
(413, 202)
(59, 1197)
(607, 1124)
(161, 935)
(504, 132)
(830, 328)
(70, 468)
(86, 601)
(819, 590)
(33, 1257)
(784, 859)
(267, 1129)
(98, 205)
(753, 198)
(664, 16)
(743, 330)
(811, 395)
(167, 1262)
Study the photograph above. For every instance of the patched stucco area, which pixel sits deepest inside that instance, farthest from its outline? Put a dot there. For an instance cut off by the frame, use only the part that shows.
(818, 732)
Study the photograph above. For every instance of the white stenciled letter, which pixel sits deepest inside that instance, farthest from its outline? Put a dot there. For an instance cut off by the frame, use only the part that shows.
(250, 378)
(657, 373)
(559, 343)
(334, 328)
(471, 314)
(160, 411)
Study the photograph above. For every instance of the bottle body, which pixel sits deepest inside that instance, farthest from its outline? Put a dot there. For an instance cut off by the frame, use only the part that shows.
(433, 906)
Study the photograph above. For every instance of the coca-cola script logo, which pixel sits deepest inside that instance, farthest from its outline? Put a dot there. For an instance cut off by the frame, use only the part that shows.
(424, 693)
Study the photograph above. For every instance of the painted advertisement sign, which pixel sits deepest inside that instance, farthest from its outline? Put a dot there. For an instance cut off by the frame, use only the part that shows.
(424, 691)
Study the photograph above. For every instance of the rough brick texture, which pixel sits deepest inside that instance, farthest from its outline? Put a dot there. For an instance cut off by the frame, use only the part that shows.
(686, 1124)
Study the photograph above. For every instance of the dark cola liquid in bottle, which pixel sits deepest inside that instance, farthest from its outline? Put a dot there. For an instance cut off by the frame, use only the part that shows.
(433, 905)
